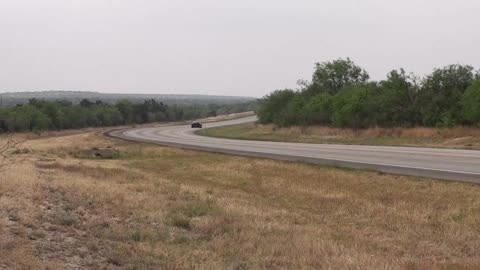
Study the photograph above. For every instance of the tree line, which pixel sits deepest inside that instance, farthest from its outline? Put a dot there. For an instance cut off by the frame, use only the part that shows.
(342, 94)
(39, 114)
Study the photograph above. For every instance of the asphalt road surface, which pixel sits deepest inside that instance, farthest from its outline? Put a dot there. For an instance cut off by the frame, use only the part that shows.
(448, 164)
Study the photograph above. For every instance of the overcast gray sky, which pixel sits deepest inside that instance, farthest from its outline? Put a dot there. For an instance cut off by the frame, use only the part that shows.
(223, 47)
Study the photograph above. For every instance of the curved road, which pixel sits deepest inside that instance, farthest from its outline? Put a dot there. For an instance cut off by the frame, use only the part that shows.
(448, 164)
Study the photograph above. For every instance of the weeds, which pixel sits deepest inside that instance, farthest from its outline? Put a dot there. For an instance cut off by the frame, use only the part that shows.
(163, 208)
(181, 221)
(64, 218)
(181, 216)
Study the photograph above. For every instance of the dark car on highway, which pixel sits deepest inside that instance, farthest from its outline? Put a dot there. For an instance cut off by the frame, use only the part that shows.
(196, 125)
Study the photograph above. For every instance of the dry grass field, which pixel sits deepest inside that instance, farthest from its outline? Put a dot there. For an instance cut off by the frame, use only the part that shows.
(457, 137)
(156, 207)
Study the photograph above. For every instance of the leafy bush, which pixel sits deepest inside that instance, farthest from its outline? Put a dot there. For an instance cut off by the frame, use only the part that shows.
(340, 94)
(471, 103)
(274, 107)
(356, 107)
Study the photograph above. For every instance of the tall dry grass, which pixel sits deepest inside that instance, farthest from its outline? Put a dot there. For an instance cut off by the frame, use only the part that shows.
(456, 137)
(163, 208)
(377, 132)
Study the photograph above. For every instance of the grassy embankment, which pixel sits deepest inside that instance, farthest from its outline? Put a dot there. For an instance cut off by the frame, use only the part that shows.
(459, 137)
(162, 208)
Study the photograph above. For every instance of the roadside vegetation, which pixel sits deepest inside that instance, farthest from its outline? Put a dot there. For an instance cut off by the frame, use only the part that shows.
(39, 115)
(153, 207)
(340, 94)
(455, 137)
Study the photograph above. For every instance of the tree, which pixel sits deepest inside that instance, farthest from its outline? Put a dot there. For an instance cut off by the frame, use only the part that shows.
(39, 114)
(358, 106)
(274, 106)
(319, 109)
(399, 98)
(441, 94)
(125, 108)
(86, 103)
(22, 118)
(295, 112)
(330, 77)
(149, 108)
(40, 121)
(471, 103)
(108, 115)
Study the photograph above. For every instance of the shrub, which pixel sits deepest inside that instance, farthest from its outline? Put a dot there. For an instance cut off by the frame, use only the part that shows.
(471, 103)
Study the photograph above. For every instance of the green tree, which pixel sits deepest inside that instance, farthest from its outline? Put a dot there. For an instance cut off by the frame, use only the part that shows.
(358, 106)
(399, 96)
(125, 108)
(108, 115)
(330, 77)
(40, 121)
(295, 112)
(471, 103)
(441, 94)
(19, 118)
(319, 109)
(274, 106)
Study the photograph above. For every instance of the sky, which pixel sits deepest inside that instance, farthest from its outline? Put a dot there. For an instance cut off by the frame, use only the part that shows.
(223, 47)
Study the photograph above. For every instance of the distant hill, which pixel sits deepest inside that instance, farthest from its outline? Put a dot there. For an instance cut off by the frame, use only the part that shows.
(14, 98)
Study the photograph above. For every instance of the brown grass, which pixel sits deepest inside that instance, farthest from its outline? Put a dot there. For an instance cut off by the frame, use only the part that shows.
(457, 137)
(377, 132)
(163, 208)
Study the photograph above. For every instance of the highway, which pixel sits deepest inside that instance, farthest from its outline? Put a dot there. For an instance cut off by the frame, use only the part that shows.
(447, 164)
